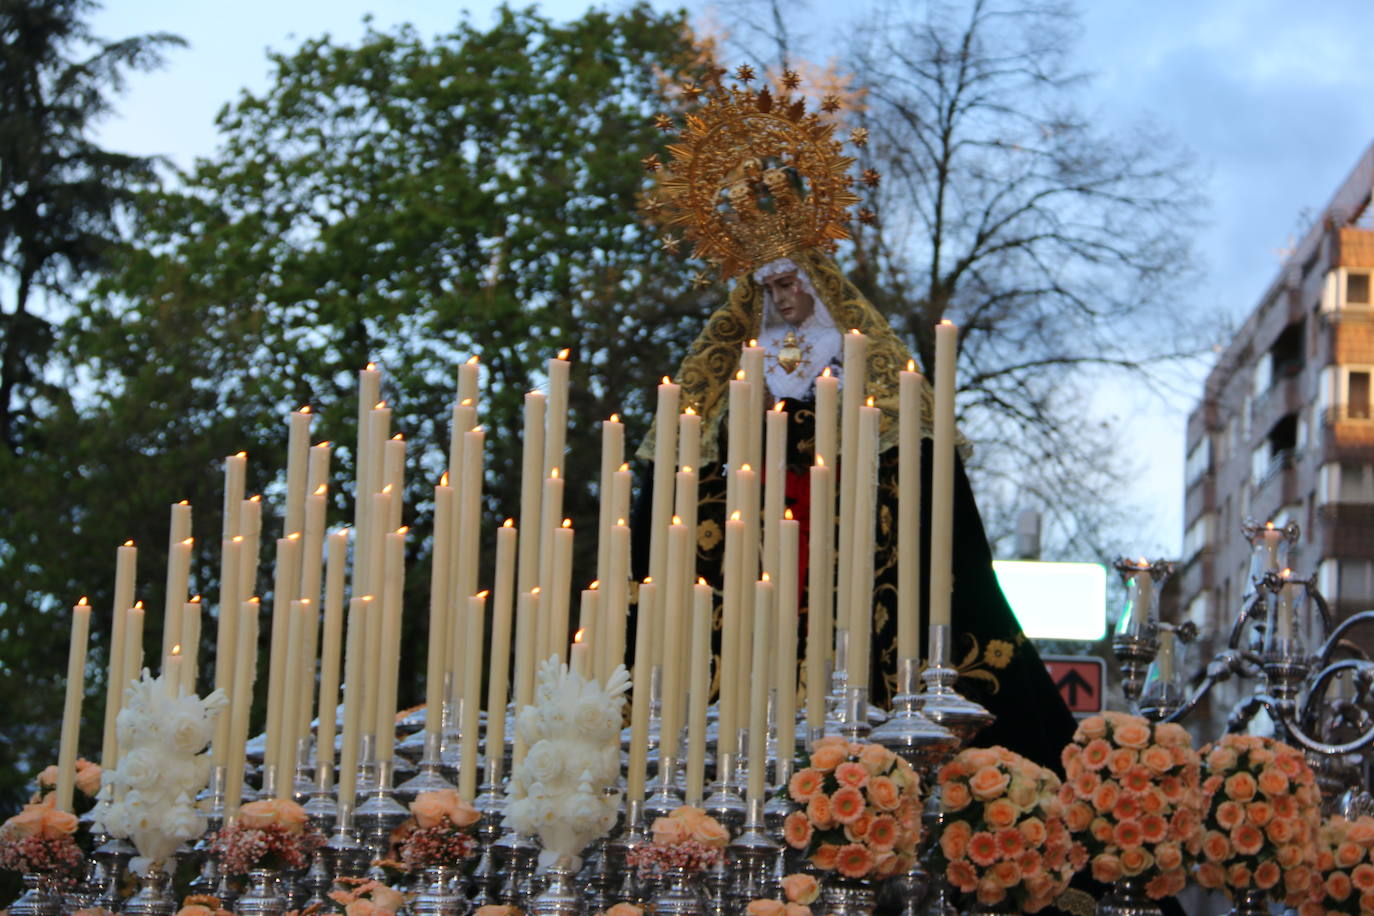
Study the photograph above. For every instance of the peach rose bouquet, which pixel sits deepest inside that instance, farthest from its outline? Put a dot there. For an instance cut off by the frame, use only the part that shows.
(861, 810)
(40, 838)
(688, 838)
(1262, 815)
(1004, 834)
(271, 833)
(1132, 792)
(438, 832)
(1344, 881)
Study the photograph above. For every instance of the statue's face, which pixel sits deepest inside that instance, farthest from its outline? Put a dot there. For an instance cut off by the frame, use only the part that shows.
(794, 303)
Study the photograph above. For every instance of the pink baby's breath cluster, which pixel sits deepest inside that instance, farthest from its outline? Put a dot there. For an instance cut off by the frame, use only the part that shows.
(54, 855)
(861, 814)
(1344, 883)
(1263, 811)
(1133, 793)
(242, 847)
(441, 844)
(654, 859)
(1004, 834)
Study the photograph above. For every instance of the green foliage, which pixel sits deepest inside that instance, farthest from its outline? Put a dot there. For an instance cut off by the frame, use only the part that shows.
(403, 200)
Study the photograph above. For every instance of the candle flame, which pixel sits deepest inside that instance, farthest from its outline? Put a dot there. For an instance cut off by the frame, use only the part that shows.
(138, 605)
(701, 580)
(477, 429)
(946, 321)
(508, 523)
(371, 367)
(195, 599)
(853, 330)
(294, 536)
(911, 365)
(256, 600)
(753, 341)
(188, 541)
(625, 466)
(387, 489)
(1144, 562)
(596, 583)
(766, 578)
(305, 408)
(129, 543)
(615, 418)
(648, 580)
(535, 590)
(1269, 524)
(787, 514)
(403, 530)
(398, 438)
(820, 461)
(465, 402)
(564, 353)
(176, 650)
(482, 595)
(322, 489)
(380, 405)
(443, 479)
(1286, 573)
(364, 598)
(870, 400)
(184, 502)
(686, 469)
(734, 516)
(825, 373)
(778, 407)
(324, 444)
(677, 520)
(577, 637)
(553, 473)
(745, 467)
(567, 523)
(255, 498)
(620, 523)
(666, 380)
(689, 410)
(83, 600)
(237, 539)
(739, 375)
(473, 360)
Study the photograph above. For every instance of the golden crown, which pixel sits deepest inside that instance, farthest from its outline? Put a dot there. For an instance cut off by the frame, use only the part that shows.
(753, 176)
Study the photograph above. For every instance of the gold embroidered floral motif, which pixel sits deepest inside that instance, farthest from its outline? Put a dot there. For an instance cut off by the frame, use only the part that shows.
(998, 653)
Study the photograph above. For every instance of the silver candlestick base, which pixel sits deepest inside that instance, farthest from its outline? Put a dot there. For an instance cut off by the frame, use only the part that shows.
(621, 879)
(780, 804)
(854, 721)
(725, 803)
(430, 777)
(346, 857)
(380, 814)
(666, 798)
(211, 801)
(561, 896)
(917, 740)
(1134, 652)
(517, 856)
(940, 702)
(484, 883)
(753, 859)
(115, 853)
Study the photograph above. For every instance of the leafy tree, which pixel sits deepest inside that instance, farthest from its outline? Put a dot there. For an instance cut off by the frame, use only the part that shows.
(62, 198)
(403, 200)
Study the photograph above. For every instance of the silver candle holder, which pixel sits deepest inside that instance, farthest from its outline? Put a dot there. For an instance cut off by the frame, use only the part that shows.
(430, 776)
(939, 702)
(909, 734)
(752, 858)
(380, 814)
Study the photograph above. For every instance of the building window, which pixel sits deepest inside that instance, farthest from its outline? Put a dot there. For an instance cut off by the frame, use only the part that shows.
(1355, 581)
(1357, 483)
(1357, 289)
(1357, 395)
(1199, 461)
(1200, 535)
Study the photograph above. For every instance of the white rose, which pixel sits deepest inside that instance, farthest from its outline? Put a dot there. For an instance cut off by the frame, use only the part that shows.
(182, 821)
(591, 720)
(187, 731)
(140, 769)
(544, 762)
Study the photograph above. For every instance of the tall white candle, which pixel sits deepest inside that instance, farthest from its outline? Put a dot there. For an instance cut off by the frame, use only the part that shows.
(731, 659)
(700, 655)
(312, 569)
(235, 474)
(531, 491)
(250, 518)
(615, 598)
(639, 698)
(751, 361)
(942, 477)
(789, 543)
(1142, 592)
(133, 645)
(297, 460)
(673, 599)
(758, 699)
(470, 511)
(472, 702)
(820, 574)
(665, 462)
(190, 643)
(578, 653)
(330, 655)
(437, 662)
(178, 573)
(291, 698)
(226, 642)
(748, 485)
(126, 559)
(562, 586)
(827, 416)
(526, 621)
(498, 674)
(909, 513)
(689, 439)
(855, 382)
(550, 521)
(364, 484)
(612, 456)
(317, 472)
(775, 484)
(861, 562)
(393, 475)
(557, 426)
(71, 706)
(393, 590)
(288, 561)
(358, 611)
(469, 380)
(620, 492)
(589, 624)
(245, 674)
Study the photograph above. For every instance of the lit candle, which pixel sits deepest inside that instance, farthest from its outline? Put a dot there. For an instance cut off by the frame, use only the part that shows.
(820, 575)
(178, 573)
(498, 676)
(393, 475)
(751, 361)
(171, 671)
(673, 599)
(557, 426)
(665, 462)
(562, 586)
(312, 570)
(731, 660)
(1142, 593)
(469, 379)
(615, 601)
(789, 541)
(855, 383)
(226, 642)
(861, 563)
(748, 485)
(1273, 540)
(942, 477)
(472, 675)
(330, 656)
(827, 415)
(358, 611)
(612, 457)
(758, 700)
(126, 559)
(245, 673)
(470, 511)
(639, 698)
(620, 492)
(774, 483)
(551, 520)
(133, 646)
(579, 653)
(250, 518)
(909, 513)
(288, 561)
(686, 509)
(700, 655)
(393, 591)
(291, 698)
(71, 707)
(317, 474)
(297, 460)
(235, 473)
(689, 439)
(1288, 593)
(737, 429)
(531, 491)
(589, 624)
(364, 484)
(437, 662)
(190, 636)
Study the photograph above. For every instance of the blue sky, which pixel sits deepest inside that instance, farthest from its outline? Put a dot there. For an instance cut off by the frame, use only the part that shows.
(1275, 101)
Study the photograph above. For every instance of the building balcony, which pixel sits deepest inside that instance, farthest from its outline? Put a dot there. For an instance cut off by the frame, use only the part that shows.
(1277, 486)
(1283, 397)
(1200, 496)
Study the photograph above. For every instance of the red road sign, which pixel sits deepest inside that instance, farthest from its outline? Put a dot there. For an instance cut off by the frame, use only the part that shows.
(1081, 680)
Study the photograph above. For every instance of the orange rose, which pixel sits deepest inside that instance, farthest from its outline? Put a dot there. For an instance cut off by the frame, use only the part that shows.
(1240, 786)
(279, 811)
(1032, 830)
(766, 907)
(876, 758)
(1106, 796)
(1215, 846)
(826, 757)
(1135, 860)
(670, 831)
(1210, 874)
(1133, 734)
(955, 796)
(818, 810)
(801, 888)
(1363, 877)
(989, 782)
(708, 832)
(1259, 813)
(1091, 727)
(1078, 817)
(1247, 839)
(88, 778)
(1169, 856)
(990, 893)
(431, 808)
(1106, 868)
(1272, 781)
(1229, 814)
(975, 758)
(1000, 813)
(1267, 875)
(824, 857)
(1361, 831)
(1006, 873)
(883, 793)
(1121, 760)
(1238, 875)
(1282, 829)
(1171, 734)
(1347, 854)
(954, 839)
